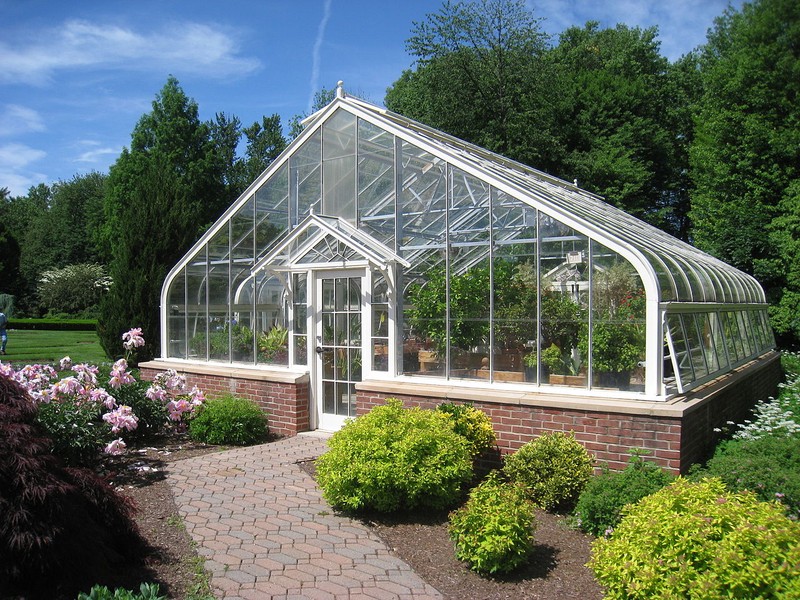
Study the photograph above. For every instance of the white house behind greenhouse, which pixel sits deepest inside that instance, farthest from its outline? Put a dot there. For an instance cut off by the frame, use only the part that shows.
(378, 257)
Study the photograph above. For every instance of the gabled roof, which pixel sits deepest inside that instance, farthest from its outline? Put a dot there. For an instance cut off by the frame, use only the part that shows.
(326, 242)
(683, 273)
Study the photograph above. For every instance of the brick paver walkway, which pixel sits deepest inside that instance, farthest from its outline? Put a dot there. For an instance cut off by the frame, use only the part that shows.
(265, 531)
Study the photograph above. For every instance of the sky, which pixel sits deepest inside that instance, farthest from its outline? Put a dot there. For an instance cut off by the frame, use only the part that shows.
(76, 76)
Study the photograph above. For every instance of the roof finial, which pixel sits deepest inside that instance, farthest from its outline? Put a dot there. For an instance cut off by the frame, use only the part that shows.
(340, 89)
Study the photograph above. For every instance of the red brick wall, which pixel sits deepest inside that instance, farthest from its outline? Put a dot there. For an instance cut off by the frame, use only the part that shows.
(608, 436)
(676, 443)
(286, 404)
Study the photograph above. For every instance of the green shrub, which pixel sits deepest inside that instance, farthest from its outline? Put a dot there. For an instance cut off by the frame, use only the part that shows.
(472, 424)
(600, 504)
(394, 458)
(152, 414)
(75, 428)
(493, 531)
(554, 468)
(767, 466)
(230, 421)
(147, 591)
(699, 540)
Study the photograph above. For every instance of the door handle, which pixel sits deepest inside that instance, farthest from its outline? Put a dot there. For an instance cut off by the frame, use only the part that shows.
(319, 350)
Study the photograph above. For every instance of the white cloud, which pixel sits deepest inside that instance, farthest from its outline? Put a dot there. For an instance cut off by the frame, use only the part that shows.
(94, 156)
(14, 162)
(15, 120)
(315, 54)
(184, 47)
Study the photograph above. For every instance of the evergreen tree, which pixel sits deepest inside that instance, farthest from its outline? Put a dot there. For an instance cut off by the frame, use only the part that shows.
(161, 194)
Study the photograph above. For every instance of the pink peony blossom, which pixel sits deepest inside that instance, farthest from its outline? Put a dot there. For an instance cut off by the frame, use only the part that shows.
(132, 339)
(65, 363)
(120, 418)
(115, 448)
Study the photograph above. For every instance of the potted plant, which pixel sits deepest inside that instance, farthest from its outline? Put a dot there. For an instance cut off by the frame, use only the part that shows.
(617, 342)
(273, 346)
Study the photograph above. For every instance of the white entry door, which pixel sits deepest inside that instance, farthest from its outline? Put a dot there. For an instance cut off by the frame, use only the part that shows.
(338, 334)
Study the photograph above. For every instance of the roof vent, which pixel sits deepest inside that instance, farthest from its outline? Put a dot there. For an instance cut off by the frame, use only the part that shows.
(340, 89)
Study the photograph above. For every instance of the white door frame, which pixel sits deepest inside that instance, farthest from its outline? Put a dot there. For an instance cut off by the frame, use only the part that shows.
(331, 421)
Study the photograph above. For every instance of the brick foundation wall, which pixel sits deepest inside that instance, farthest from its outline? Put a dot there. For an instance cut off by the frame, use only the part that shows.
(678, 433)
(286, 403)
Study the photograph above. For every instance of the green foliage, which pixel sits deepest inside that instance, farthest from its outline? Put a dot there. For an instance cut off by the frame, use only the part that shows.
(229, 421)
(561, 322)
(273, 346)
(152, 414)
(599, 507)
(744, 156)
(493, 531)
(472, 424)
(698, 540)
(7, 305)
(394, 459)
(75, 428)
(169, 181)
(768, 466)
(553, 468)
(147, 591)
(74, 289)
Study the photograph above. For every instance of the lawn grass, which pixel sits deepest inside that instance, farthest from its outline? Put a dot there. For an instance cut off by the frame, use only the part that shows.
(48, 347)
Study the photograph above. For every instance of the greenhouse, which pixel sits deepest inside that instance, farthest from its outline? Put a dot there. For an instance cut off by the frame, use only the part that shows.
(376, 249)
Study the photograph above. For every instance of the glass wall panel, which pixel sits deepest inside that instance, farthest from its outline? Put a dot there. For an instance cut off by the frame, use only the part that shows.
(376, 195)
(243, 331)
(196, 306)
(271, 210)
(424, 312)
(747, 334)
(470, 291)
(380, 322)
(305, 179)
(564, 281)
(733, 337)
(300, 318)
(694, 343)
(176, 317)
(219, 295)
(422, 204)
(618, 322)
(718, 335)
(339, 166)
(709, 347)
(242, 260)
(515, 290)
(270, 311)
(680, 348)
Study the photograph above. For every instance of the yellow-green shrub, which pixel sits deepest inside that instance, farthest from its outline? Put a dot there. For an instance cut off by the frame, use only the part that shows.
(473, 424)
(698, 540)
(493, 531)
(554, 468)
(395, 458)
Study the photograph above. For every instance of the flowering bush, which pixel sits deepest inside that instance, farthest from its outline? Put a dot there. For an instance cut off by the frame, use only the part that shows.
(80, 416)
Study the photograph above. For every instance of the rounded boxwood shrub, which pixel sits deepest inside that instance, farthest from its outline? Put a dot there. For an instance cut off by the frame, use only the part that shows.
(554, 468)
(394, 458)
(493, 531)
(699, 540)
(768, 466)
(230, 421)
(473, 424)
(600, 504)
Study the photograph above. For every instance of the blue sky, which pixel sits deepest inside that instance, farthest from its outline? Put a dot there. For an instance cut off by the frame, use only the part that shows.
(76, 76)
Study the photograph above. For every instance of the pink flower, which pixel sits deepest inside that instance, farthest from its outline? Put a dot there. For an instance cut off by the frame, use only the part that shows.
(121, 418)
(156, 392)
(86, 373)
(100, 396)
(132, 339)
(197, 396)
(115, 448)
(119, 374)
(65, 363)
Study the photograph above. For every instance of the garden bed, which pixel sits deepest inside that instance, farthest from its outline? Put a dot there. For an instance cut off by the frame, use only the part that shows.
(556, 569)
